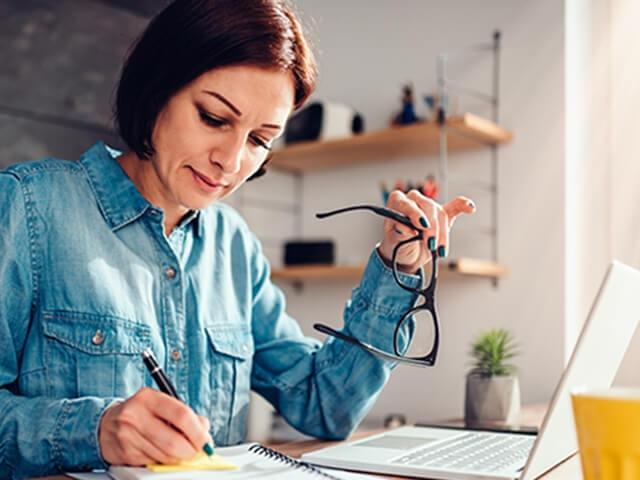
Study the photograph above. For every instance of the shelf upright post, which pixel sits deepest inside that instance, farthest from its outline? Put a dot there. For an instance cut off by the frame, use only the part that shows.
(441, 66)
(495, 105)
(443, 86)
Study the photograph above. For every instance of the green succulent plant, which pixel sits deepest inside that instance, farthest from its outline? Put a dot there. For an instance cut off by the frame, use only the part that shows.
(490, 351)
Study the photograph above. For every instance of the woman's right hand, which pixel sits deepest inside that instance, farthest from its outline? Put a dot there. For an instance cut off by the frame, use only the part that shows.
(151, 427)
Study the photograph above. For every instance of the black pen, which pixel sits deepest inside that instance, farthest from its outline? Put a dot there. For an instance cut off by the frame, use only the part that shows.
(165, 385)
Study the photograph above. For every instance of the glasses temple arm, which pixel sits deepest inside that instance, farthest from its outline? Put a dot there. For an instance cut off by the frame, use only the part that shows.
(385, 212)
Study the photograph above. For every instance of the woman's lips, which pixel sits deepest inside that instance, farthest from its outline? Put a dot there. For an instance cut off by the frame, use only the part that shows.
(206, 182)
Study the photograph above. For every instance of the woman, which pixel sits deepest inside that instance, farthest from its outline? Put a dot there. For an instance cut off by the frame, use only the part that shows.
(106, 257)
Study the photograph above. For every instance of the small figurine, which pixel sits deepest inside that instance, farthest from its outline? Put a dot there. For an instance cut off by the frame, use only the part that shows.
(430, 187)
(408, 113)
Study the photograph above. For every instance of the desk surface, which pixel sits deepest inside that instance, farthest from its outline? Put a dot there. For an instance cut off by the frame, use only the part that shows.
(531, 416)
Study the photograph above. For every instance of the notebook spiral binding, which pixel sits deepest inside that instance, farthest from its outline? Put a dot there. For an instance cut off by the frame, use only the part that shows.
(292, 462)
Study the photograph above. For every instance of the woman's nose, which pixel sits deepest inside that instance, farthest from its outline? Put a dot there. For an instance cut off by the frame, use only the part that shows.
(229, 153)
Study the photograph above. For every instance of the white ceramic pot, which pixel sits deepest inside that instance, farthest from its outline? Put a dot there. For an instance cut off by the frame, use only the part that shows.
(492, 399)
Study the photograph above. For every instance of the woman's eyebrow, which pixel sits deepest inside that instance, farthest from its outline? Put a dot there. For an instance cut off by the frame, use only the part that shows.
(235, 109)
(271, 125)
(220, 97)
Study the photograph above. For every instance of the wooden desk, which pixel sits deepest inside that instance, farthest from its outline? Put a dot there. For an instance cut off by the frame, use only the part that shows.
(531, 416)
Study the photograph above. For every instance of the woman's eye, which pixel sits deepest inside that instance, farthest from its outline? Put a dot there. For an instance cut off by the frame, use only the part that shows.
(216, 122)
(259, 142)
(210, 120)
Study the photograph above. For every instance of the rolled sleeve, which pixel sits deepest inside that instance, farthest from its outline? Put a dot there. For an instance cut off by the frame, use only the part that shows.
(381, 296)
(75, 439)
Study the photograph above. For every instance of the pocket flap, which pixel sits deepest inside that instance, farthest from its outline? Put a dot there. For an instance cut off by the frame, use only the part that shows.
(231, 339)
(97, 334)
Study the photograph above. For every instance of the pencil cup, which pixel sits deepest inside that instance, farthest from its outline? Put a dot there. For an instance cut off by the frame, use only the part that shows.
(608, 428)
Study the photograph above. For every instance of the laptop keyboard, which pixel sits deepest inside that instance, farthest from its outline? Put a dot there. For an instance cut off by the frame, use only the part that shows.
(485, 452)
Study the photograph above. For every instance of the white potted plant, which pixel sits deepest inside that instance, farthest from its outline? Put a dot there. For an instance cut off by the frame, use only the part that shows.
(492, 391)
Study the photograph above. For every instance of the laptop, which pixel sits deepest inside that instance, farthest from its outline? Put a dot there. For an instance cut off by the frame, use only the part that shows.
(452, 454)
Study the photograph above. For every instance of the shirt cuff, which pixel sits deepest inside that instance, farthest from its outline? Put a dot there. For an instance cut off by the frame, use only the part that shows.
(97, 430)
(75, 441)
(379, 303)
(382, 292)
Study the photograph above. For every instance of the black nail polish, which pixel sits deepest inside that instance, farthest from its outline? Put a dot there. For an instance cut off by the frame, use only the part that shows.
(431, 243)
(424, 222)
(442, 251)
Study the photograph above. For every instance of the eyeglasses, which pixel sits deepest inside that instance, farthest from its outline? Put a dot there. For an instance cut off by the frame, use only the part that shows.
(421, 317)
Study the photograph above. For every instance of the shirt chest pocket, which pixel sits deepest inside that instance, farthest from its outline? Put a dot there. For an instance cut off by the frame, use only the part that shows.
(93, 355)
(230, 361)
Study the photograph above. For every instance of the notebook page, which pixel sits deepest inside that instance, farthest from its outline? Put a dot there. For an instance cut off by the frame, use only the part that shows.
(89, 476)
(251, 466)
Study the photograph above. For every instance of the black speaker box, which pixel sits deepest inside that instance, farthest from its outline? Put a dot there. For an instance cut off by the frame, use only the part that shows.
(301, 252)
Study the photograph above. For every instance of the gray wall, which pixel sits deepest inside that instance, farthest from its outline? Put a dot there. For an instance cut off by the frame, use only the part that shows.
(59, 62)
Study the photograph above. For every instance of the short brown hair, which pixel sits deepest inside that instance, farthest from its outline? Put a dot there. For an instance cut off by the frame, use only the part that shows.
(191, 37)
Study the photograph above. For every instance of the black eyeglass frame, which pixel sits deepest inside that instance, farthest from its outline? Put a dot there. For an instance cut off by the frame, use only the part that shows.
(427, 294)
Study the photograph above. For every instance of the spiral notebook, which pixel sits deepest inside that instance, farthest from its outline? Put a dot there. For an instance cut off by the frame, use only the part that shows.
(253, 461)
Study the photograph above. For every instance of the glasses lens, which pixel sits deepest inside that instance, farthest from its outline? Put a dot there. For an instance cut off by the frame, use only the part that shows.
(424, 336)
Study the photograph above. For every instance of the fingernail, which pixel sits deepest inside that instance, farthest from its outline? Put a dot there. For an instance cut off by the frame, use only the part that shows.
(471, 204)
(424, 222)
(432, 243)
(442, 251)
(208, 448)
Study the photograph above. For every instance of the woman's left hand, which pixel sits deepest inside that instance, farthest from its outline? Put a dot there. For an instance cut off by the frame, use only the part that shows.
(434, 220)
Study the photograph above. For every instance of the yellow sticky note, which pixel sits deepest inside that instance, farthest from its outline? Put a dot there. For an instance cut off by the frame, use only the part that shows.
(200, 462)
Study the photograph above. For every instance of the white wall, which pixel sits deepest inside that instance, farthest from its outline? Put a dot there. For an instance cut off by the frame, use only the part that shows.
(367, 51)
(602, 148)
(625, 142)
(625, 74)
(588, 158)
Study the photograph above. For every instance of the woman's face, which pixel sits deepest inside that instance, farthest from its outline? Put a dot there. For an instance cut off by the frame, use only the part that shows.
(215, 133)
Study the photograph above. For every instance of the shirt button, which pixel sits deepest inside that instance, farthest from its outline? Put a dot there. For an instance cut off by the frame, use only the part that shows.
(97, 338)
(170, 273)
(176, 355)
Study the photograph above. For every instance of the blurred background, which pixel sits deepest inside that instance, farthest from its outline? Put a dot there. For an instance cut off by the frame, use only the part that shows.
(555, 186)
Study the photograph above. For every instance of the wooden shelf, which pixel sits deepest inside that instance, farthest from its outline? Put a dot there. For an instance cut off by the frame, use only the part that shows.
(318, 272)
(462, 266)
(477, 268)
(465, 132)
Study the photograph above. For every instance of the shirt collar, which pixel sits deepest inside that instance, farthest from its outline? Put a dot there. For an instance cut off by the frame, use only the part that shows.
(195, 218)
(118, 198)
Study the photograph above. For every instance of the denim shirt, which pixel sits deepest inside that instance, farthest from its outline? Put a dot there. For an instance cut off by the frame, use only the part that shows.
(89, 280)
